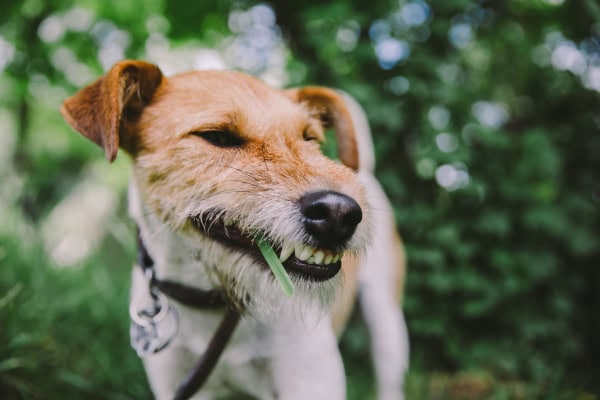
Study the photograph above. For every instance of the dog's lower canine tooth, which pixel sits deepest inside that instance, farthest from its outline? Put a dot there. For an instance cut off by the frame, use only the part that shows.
(328, 258)
(286, 251)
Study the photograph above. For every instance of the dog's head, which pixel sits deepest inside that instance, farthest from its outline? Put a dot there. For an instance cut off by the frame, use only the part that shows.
(221, 158)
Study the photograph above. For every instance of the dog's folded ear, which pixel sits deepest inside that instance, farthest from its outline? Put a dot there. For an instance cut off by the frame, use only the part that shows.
(329, 106)
(103, 111)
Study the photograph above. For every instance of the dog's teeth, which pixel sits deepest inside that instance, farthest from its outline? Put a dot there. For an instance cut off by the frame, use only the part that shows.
(303, 252)
(298, 250)
(328, 258)
(306, 253)
(336, 257)
(286, 251)
(319, 257)
(311, 260)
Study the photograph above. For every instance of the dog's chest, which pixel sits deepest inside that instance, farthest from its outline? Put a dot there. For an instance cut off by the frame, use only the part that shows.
(251, 339)
(246, 364)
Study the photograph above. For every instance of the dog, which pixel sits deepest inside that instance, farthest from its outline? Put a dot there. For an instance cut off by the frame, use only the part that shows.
(219, 160)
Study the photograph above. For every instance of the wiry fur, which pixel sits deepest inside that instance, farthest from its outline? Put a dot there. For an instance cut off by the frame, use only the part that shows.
(284, 348)
(263, 211)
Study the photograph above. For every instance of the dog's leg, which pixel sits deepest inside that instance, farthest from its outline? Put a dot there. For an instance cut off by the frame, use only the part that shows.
(389, 341)
(308, 364)
(381, 282)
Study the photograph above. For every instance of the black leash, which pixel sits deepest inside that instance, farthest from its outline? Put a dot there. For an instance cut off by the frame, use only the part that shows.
(196, 378)
(201, 299)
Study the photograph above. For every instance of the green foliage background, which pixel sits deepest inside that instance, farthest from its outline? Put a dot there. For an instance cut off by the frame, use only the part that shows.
(502, 296)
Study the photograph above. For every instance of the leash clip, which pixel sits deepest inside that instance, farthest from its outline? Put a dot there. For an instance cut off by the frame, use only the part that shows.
(154, 323)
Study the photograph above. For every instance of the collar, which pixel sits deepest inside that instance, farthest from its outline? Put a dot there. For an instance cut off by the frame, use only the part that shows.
(187, 295)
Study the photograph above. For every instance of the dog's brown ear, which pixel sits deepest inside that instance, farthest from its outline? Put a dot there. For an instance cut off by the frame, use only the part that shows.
(101, 110)
(329, 106)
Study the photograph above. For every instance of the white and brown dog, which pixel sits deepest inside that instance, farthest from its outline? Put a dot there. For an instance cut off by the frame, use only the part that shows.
(219, 159)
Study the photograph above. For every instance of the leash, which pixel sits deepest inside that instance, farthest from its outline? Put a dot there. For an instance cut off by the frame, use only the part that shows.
(149, 324)
(199, 374)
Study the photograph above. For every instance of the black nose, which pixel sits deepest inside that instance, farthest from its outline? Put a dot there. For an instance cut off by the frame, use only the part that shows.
(330, 217)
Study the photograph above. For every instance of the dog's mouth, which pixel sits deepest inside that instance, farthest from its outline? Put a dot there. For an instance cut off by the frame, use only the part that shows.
(299, 259)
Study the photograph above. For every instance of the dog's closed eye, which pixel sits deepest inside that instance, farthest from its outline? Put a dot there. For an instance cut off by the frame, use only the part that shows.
(220, 138)
(310, 136)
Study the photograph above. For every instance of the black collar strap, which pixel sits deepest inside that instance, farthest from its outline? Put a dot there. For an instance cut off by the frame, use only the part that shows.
(187, 295)
(199, 299)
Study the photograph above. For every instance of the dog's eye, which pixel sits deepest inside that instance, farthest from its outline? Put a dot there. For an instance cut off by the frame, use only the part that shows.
(220, 138)
(307, 136)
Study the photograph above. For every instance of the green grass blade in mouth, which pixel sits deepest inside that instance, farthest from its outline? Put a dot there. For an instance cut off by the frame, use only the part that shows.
(276, 266)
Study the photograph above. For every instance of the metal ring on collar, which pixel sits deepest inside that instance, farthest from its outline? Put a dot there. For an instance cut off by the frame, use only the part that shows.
(136, 312)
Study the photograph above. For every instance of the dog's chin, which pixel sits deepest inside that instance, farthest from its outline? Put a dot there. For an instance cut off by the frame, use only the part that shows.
(266, 301)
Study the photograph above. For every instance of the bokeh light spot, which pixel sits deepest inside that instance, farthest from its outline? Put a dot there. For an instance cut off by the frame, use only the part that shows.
(439, 117)
(398, 85)
(7, 53)
(51, 29)
(490, 114)
(391, 51)
(347, 36)
(461, 35)
(452, 176)
(415, 13)
(566, 56)
(446, 142)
